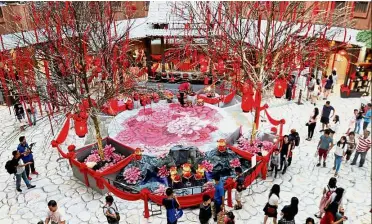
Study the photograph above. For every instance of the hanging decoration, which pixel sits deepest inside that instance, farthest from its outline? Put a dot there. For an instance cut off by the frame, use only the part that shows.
(81, 124)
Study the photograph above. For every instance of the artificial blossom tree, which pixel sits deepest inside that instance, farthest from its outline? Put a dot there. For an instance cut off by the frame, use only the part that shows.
(258, 42)
(81, 50)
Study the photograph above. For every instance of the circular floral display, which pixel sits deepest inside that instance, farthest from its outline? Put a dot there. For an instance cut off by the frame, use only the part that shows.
(155, 130)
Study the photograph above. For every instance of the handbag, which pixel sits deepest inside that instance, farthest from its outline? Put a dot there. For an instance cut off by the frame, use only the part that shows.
(174, 214)
(109, 218)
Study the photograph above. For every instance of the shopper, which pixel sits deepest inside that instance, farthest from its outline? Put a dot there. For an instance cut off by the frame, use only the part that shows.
(325, 144)
(362, 149)
(331, 214)
(309, 220)
(275, 161)
(328, 87)
(311, 124)
(271, 206)
(310, 87)
(289, 212)
(284, 153)
(54, 215)
(334, 125)
(331, 211)
(358, 121)
(20, 171)
(340, 152)
(219, 195)
(327, 192)
(334, 79)
(111, 212)
(352, 122)
(25, 150)
(367, 117)
(290, 84)
(351, 145)
(316, 93)
(239, 188)
(32, 113)
(205, 212)
(171, 204)
(326, 114)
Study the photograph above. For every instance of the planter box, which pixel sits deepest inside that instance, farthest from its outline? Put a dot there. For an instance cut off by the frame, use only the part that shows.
(84, 152)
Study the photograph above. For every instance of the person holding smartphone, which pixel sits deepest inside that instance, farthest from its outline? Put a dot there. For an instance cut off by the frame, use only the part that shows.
(27, 157)
(20, 173)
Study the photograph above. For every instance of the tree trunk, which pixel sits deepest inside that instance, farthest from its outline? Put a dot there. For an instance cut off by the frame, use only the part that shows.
(98, 134)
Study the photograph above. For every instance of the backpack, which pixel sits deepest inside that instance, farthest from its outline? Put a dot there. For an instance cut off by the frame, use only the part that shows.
(110, 219)
(10, 166)
(297, 139)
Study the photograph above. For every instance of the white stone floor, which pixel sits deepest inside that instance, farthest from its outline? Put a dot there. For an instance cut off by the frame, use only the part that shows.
(82, 205)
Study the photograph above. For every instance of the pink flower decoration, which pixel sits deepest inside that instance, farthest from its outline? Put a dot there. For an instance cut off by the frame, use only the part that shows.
(235, 163)
(245, 145)
(207, 165)
(161, 190)
(108, 154)
(163, 172)
(132, 175)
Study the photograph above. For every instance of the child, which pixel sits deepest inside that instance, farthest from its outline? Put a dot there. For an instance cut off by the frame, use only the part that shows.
(239, 188)
(275, 161)
(351, 144)
(205, 210)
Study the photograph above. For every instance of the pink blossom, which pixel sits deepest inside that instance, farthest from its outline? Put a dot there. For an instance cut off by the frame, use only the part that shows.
(132, 175)
(161, 189)
(108, 155)
(235, 163)
(163, 172)
(245, 145)
(207, 165)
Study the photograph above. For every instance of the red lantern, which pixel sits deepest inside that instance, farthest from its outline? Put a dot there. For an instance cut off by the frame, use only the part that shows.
(143, 100)
(135, 96)
(220, 66)
(247, 99)
(206, 80)
(155, 97)
(203, 68)
(81, 125)
(129, 104)
(280, 87)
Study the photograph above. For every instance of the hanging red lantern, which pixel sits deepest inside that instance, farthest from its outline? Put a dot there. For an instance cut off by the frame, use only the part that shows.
(203, 68)
(220, 66)
(247, 98)
(280, 87)
(143, 100)
(81, 124)
(206, 80)
(155, 97)
(129, 104)
(135, 96)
